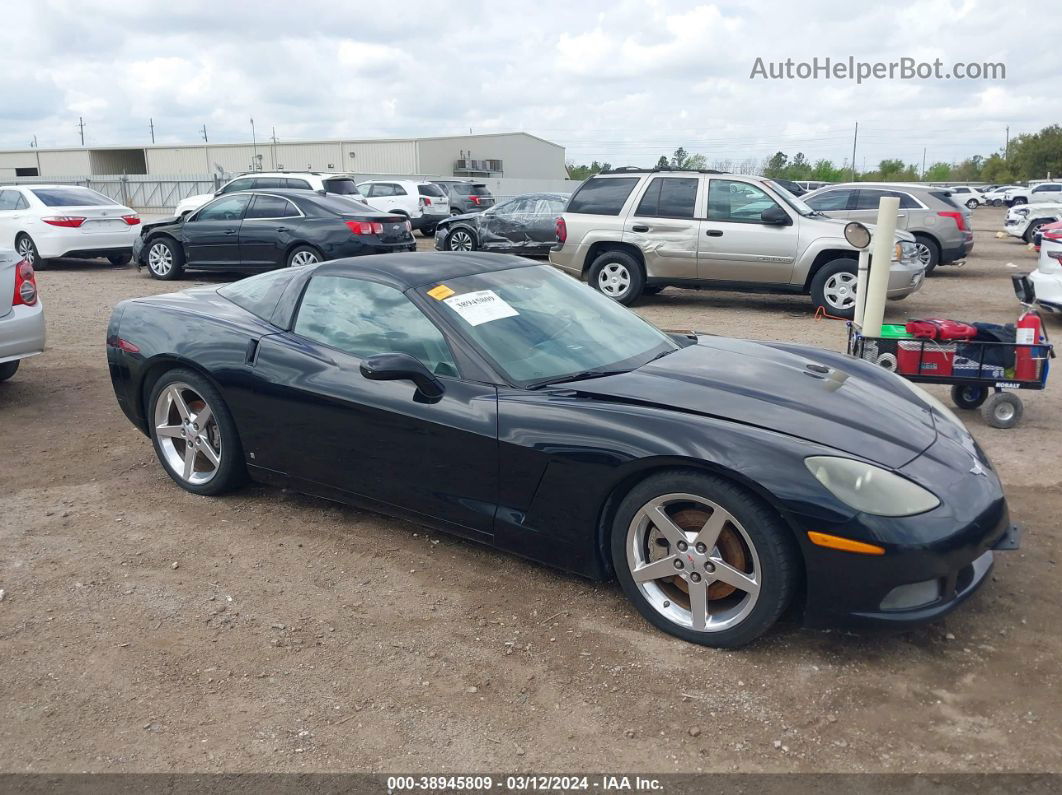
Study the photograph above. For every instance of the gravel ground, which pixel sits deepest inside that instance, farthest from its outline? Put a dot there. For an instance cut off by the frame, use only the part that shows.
(147, 629)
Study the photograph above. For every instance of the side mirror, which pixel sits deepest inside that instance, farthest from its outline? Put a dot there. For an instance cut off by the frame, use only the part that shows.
(775, 216)
(402, 367)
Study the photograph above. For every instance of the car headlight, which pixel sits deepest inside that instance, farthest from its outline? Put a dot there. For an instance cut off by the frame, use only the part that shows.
(1022, 212)
(906, 250)
(868, 488)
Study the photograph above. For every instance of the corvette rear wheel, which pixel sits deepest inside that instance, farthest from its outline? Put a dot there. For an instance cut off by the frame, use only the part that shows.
(702, 559)
(194, 435)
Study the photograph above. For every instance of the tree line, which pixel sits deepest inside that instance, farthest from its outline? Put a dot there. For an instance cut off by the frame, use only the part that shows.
(1030, 156)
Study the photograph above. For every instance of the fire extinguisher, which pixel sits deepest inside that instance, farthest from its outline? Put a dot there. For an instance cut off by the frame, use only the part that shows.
(1025, 359)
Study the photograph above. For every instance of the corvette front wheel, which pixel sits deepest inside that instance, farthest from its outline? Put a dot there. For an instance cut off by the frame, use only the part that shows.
(702, 559)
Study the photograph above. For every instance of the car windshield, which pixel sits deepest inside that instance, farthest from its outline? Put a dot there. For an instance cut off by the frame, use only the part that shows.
(72, 197)
(793, 201)
(466, 189)
(540, 326)
(341, 186)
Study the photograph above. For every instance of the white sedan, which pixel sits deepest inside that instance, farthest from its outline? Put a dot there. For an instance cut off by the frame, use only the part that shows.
(46, 221)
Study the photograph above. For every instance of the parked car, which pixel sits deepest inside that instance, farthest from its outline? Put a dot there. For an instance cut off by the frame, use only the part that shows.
(423, 203)
(1044, 192)
(21, 313)
(718, 479)
(965, 195)
(258, 230)
(45, 221)
(1025, 220)
(941, 227)
(1042, 289)
(466, 196)
(793, 187)
(522, 225)
(635, 231)
(998, 197)
(341, 184)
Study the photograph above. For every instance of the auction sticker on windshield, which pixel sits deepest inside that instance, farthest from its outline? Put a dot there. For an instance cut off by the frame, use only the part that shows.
(479, 307)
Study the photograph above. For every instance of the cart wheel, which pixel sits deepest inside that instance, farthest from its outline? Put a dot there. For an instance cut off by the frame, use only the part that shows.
(969, 396)
(1002, 410)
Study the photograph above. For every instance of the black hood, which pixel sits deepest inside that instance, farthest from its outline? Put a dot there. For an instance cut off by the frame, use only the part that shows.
(474, 217)
(853, 406)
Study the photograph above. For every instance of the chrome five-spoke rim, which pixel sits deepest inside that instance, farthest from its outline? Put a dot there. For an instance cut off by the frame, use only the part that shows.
(840, 290)
(693, 562)
(304, 258)
(160, 259)
(188, 433)
(460, 241)
(614, 280)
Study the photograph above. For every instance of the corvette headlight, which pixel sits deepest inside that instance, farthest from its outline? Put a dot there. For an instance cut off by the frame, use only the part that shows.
(868, 488)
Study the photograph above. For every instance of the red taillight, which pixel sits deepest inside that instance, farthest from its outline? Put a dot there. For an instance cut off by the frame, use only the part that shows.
(958, 218)
(127, 346)
(25, 285)
(365, 227)
(425, 201)
(562, 229)
(73, 221)
(132, 220)
(475, 199)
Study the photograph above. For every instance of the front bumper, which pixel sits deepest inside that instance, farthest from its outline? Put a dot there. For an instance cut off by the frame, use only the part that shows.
(905, 278)
(22, 332)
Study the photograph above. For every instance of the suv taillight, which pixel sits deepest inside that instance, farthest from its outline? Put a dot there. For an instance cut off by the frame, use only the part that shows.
(25, 285)
(958, 218)
(425, 201)
(474, 199)
(562, 230)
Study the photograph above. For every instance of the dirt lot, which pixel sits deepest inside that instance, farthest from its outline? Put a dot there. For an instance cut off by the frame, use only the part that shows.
(146, 629)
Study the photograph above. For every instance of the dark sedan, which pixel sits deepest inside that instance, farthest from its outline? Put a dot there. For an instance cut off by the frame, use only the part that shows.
(524, 225)
(493, 397)
(263, 230)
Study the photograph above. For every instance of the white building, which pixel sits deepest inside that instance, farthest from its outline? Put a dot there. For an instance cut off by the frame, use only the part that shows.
(510, 155)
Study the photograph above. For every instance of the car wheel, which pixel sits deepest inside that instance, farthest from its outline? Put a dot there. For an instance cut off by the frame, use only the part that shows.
(461, 239)
(834, 287)
(617, 275)
(121, 259)
(8, 369)
(702, 559)
(1034, 227)
(27, 249)
(1018, 202)
(304, 255)
(455, 212)
(427, 231)
(972, 203)
(997, 202)
(194, 435)
(1002, 410)
(927, 252)
(968, 396)
(165, 259)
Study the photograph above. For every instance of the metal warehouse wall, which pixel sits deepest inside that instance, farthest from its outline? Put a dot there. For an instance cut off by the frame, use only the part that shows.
(369, 157)
(179, 160)
(118, 161)
(522, 156)
(65, 161)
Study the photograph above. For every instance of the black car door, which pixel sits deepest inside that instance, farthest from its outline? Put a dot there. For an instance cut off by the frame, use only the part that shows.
(542, 225)
(267, 230)
(505, 225)
(322, 421)
(212, 235)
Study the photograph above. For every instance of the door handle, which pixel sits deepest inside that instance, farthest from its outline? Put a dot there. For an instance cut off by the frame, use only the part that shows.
(640, 228)
(714, 233)
(281, 229)
(230, 231)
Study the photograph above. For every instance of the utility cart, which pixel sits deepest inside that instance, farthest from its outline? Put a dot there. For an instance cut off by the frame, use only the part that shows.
(980, 372)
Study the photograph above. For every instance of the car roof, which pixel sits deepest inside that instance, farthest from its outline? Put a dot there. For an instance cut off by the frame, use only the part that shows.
(415, 269)
(32, 185)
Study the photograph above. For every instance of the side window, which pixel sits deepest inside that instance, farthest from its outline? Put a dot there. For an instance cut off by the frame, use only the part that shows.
(602, 195)
(271, 207)
(867, 199)
(515, 206)
(364, 318)
(8, 199)
(269, 182)
(669, 197)
(729, 200)
(21, 203)
(398, 190)
(298, 184)
(229, 208)
(381, 189)
(830, 200)
(238, 184)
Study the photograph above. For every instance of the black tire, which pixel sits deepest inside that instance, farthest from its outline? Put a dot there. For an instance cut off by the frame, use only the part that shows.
(304, 255)
(8, 369)
(653, 289)
(929, 251)
(1018, 202)
(972, 203)
(770, 539)
(457, 238)
(1035, 227)
(968, 396)
(827, 285)
(231, 471)
(120, 259)
(427, 231)
(25, 246)
(158, 265)
(997, 202)
(618, 275)
(1002, 410)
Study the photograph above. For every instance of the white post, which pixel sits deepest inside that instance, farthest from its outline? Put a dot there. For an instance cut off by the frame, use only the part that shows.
(861, 285)
(882, 245)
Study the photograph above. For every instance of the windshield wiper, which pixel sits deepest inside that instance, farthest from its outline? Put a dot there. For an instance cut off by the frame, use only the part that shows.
(581, 376)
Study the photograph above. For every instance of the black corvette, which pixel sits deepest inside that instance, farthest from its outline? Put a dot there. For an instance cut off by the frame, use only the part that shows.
(262, 230)
(523, 225)
(496, 398)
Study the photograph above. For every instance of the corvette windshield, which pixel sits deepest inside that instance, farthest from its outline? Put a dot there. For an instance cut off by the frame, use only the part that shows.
(540, 326)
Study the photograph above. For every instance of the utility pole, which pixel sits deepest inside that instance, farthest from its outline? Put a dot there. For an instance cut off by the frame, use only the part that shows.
(855, 137)
(151, 124)
(1006, 146)
(254, 143)
(203, 133)
(273, 152)
(923, 164)
(81, 128)
(33, 143)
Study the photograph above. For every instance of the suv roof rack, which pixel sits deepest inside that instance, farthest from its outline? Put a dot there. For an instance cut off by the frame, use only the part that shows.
(655, 169)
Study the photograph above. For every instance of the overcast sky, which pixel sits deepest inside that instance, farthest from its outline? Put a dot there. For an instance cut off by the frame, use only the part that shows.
(620, 81)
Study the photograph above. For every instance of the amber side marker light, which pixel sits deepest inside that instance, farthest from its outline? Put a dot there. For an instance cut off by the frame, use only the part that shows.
(844, 544)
